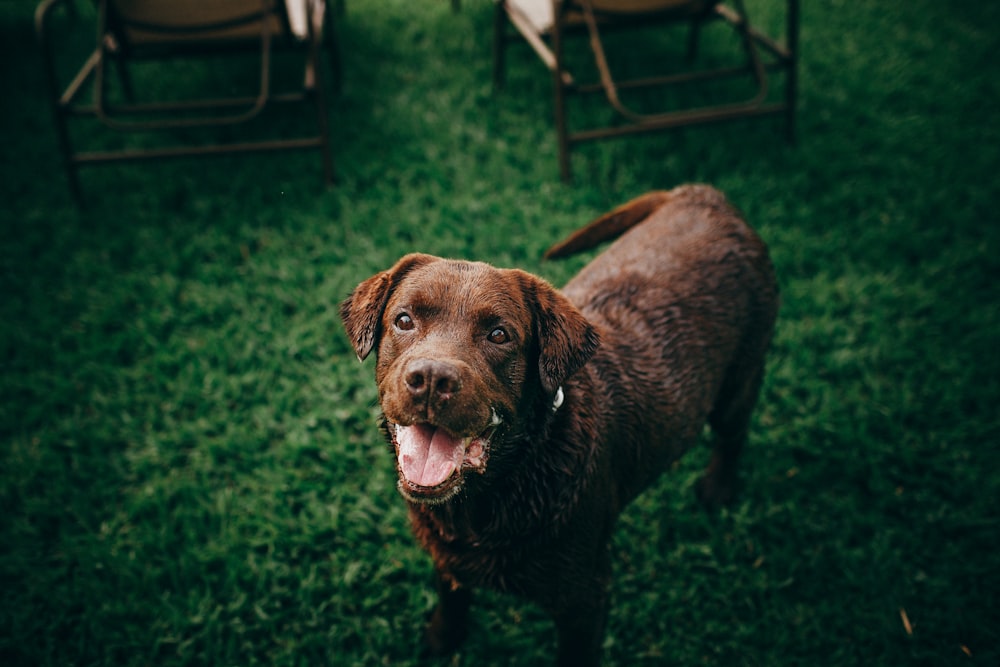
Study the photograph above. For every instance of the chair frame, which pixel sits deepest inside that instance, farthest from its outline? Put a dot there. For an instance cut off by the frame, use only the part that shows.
(113, 45)
(575, 16)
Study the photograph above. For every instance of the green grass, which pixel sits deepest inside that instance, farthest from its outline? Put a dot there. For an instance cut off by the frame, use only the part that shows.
(190, 471)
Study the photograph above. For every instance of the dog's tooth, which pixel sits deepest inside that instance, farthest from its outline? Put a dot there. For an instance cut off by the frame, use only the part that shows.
(494, 418)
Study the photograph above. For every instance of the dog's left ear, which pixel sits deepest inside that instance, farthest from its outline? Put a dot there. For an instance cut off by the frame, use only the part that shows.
(362, 311)
(566, 340)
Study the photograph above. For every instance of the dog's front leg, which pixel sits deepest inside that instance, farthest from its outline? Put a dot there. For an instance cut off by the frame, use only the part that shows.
(448, 624)
(580, 626)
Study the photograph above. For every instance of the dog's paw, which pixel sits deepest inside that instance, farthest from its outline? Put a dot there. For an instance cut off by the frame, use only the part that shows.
(714, 492)
(443, 636)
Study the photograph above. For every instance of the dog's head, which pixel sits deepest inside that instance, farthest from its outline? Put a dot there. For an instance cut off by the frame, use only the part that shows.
(466, 352)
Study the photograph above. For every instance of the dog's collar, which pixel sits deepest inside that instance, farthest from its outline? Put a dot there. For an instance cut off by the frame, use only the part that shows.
(558, 400)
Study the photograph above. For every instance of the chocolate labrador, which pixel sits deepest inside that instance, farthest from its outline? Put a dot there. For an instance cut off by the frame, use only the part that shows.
(524, 418)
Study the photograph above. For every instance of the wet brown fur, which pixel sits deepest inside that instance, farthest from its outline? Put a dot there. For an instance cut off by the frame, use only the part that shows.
(664, 331)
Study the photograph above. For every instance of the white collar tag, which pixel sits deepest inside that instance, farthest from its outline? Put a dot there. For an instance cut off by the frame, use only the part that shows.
(558, 400)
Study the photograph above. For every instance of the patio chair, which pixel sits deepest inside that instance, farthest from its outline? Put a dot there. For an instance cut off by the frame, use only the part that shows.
(241, 38)
(546, 24)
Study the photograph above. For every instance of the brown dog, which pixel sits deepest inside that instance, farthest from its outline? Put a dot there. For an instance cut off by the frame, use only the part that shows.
(524, 418)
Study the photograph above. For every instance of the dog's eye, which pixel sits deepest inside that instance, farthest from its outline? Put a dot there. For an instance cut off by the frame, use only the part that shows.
(498, 336)
(404, 322)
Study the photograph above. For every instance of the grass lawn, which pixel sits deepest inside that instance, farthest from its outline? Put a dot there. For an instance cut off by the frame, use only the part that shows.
(190, 470)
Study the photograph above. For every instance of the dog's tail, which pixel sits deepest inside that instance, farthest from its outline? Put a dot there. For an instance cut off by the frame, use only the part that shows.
(610, 225)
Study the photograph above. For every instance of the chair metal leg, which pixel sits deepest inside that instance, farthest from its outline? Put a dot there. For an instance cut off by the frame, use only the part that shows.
(792, 76)
(332, 46)
(562, 130)
(43, 15)
(124, 78)
(314, 72)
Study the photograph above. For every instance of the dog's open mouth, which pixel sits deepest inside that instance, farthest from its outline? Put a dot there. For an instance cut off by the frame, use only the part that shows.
(431, 461)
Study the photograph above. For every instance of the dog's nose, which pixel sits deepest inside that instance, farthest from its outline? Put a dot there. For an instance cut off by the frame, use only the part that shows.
(438, 379)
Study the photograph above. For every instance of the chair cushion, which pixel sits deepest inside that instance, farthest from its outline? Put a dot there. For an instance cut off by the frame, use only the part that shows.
(539, 12)
(151, 21)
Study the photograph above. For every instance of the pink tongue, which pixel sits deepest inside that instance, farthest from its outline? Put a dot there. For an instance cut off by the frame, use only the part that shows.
(428, 455)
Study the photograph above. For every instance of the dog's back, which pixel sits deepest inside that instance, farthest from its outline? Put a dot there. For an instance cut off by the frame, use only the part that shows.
(685, 301)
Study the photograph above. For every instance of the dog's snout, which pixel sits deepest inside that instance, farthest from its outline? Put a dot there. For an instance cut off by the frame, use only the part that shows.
(437, 379)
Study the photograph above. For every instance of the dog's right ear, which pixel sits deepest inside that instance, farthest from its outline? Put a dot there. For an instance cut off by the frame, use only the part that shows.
(362, 311)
